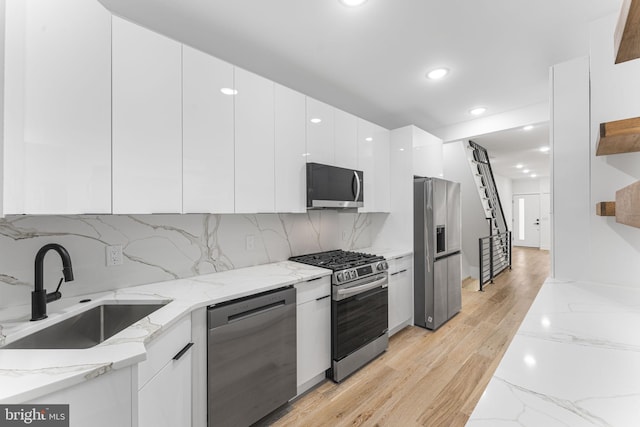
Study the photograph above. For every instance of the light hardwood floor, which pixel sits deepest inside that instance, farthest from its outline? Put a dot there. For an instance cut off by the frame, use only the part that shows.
(430, 378)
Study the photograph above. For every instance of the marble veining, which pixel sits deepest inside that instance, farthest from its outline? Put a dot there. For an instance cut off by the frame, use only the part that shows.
(29, 374)
(575, 361)
(164, 247)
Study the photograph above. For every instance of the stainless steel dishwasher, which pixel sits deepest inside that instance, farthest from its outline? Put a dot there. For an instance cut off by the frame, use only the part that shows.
(251, 357)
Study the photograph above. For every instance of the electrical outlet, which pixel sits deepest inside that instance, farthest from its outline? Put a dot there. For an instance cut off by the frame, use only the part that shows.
(114, 255)
(250, 242)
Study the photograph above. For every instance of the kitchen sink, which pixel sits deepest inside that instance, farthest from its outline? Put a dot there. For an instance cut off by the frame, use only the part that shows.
(88, 328)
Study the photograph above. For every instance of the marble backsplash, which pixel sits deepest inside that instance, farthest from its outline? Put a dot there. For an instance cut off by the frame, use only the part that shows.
(164, 247)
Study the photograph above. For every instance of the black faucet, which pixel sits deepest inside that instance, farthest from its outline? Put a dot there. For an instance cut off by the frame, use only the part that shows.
(40, 297)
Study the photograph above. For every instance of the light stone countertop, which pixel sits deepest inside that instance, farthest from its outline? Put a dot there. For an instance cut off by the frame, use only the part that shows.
(386, 252)
(29, 374)
(575, 361)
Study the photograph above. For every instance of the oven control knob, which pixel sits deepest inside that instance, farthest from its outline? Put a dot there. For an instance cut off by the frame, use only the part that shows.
(352, 273)
(339, 276)
(381, 266)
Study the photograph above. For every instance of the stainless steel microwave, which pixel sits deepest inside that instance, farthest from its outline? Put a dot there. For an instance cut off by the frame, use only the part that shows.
(334, 187)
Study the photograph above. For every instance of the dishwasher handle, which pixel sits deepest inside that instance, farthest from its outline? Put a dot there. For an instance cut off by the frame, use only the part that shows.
(236, 310)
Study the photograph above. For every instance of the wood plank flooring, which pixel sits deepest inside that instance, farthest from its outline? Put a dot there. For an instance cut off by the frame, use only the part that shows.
(430, 378)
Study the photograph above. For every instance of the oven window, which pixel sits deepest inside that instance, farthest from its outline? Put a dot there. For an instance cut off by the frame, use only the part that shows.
(358, 320)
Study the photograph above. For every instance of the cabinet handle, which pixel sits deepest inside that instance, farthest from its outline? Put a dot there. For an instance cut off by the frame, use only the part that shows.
(313, 280)
(183, 351)
(398, 272)
(324, 297)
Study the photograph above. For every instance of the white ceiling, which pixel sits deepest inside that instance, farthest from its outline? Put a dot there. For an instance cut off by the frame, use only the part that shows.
(371, 60)
(516, 146)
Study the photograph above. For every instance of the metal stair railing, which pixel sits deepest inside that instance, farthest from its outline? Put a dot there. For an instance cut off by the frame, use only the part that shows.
(494, 253)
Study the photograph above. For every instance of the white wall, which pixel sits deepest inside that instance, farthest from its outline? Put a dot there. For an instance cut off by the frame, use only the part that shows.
(427, 154)
(570, 169)
(474, 223)
(615, 95)
(587, 92)
(505, 192)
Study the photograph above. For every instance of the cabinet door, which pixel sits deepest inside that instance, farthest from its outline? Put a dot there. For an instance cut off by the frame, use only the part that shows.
(165, 401)
(381, 176)
(454, 289)
(290, 163)
(147, 121)
(366, 163)
(57, 107)
(320, 132)
(208, 161)
(346, 140)
(254, 145)
(314, 339)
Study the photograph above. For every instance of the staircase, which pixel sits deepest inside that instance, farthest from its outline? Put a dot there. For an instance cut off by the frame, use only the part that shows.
(495, 249)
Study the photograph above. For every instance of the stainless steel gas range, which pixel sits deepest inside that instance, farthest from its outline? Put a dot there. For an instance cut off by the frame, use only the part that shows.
(359, 313)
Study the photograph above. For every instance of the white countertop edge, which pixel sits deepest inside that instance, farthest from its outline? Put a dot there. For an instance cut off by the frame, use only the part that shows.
(128, 346)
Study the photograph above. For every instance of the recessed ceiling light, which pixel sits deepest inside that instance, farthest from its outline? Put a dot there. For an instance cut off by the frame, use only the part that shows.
(315, 120)
(545, 149)
(352, 3)
(526, 171)
(477, 111)
(527, 128)
(438, 73)
(306, 154)
(519, 166)
(229, 91)
(533, 175)
(368, 139)
(402, 149)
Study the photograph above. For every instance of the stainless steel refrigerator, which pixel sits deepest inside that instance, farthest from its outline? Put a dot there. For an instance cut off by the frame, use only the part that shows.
(436, 251)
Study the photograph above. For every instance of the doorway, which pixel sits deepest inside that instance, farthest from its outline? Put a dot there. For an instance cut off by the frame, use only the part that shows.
(526, 220)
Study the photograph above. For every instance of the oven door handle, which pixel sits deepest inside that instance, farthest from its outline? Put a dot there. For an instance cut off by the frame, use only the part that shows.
(362, 288)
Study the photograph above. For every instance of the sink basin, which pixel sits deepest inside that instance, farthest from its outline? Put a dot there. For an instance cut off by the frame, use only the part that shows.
(88, 328)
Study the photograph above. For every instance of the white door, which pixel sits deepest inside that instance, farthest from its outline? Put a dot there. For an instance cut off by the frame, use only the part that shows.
(545, 221)
(526, 220)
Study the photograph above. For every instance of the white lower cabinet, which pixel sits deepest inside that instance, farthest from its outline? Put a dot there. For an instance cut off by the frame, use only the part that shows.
(105, 401)
(164, 379)
(400, 293)
(313, 331)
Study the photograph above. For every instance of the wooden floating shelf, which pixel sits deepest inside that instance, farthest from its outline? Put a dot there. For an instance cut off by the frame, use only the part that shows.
(628, 205)
(626, 208)
(621, 136)
(627, 34)
(606, 209)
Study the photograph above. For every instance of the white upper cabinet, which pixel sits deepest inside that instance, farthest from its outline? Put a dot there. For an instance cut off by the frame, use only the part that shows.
(346, 140)
(254, 143)
(373, 160)
(290, 159)
(57, 136)
(320, 132)
(208, 146)
(382, 189)
(366, 164)
(147, 121)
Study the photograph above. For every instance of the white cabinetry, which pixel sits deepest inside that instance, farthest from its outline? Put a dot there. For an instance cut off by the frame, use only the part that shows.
(147, 121)
(346, 140)
(373, 160)
(320, 132)
(164, 379)
(400, 293)
(254, 144)
(313, 331)
(57, 107)
(208, 157)
(105, 401)
(290, 161)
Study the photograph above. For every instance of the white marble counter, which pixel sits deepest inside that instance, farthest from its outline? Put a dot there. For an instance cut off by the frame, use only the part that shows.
(386, 252)
(575, 361)
(28, 374)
